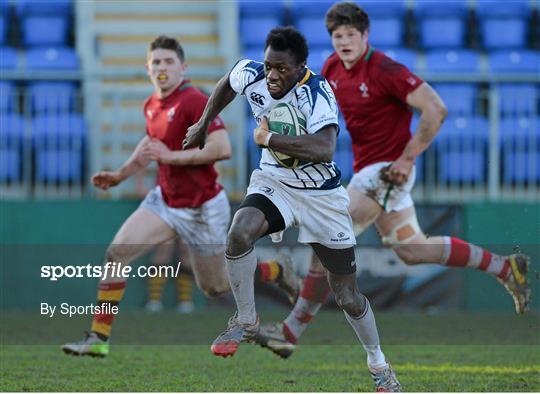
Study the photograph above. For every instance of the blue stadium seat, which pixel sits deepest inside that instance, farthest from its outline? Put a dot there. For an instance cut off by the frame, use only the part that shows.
(11, 147)
(405, 56)
(396, 8)
(52, 97)
(45, 30)
(254, 152)
(461, 148)
(59, 165)
(314, 30)
(252, 8)
(441, 23)
(58, 143)
(254, 53)
(520, 149)
(343, 155)
(312, 9)
(452, 61)
(317, 57)
(54, 58)
(386, 31)
(524, 61)
(460, 98)
(3, 29)
(40, 7)
(504, 33)
(503, 24)
(442, 32)
(518, 99)
(253, 30)
(8, 58)
(8, 97)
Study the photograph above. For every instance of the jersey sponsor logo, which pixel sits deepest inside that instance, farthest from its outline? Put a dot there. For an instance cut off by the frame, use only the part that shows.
(411, 81)
(364, 89)
(266, 190)
(170, 114)
(257, 98)
(149, 113)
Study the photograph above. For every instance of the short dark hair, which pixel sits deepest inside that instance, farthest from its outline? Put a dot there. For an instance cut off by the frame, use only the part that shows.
(288, 39)
(164, 42)
(346, 13)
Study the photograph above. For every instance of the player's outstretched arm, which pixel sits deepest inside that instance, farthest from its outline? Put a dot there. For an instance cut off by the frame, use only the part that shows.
(136, 162)
(433, 113)
(222, 96)
(217, 147)
(315, 148)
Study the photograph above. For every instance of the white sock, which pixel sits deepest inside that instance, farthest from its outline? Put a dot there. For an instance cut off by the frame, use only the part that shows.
(301, 315)
(241, 270)
(366, 330)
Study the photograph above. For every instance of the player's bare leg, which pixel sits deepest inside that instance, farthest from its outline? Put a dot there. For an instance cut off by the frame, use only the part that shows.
(140, 232)
(401, 231)
(210, 274)
(162, 255)
(249, 224)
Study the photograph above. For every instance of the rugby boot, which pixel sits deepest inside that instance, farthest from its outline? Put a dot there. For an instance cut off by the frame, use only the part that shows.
(91, 345)
(273, 336)
(516, 284)
(227, 342)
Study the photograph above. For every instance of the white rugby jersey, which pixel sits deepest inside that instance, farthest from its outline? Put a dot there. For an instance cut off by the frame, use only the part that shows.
(315, 99)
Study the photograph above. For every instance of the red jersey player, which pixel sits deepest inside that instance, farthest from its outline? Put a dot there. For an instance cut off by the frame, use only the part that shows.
(375, 94)
(187, 201)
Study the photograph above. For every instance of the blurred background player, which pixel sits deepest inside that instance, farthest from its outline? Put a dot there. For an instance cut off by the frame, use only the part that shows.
(309, 197)
(187, 202)
(375, 95)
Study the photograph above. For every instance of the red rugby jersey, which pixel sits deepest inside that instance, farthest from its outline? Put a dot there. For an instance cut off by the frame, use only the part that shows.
(372, 97)
(168, 119)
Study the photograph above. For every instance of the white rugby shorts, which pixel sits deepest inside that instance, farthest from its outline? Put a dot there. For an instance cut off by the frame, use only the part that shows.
(321, 215)
(204, 228)
(390, 197)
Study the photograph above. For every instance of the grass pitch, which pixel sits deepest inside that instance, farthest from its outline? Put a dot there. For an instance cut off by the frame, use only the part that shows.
(169, 352)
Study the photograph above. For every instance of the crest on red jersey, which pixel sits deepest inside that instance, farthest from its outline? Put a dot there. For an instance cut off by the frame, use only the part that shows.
(364, 89)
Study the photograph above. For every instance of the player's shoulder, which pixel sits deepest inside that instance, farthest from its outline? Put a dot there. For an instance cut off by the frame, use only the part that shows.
(312, 81)
(331, 61)
(249, 66)
(385, 63)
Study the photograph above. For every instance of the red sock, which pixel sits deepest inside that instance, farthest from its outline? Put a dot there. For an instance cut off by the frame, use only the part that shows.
(314, 293)
(267, 271)
(458, 253)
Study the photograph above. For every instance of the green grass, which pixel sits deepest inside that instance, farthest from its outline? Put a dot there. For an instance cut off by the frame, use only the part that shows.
(168, 352)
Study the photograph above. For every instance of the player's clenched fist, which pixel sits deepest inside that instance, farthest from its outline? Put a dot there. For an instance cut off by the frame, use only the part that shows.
(106, 179)
(261, 135)
(196, 136)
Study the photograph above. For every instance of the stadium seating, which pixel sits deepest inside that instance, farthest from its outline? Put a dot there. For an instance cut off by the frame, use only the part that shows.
(503, 24)
(40, 7)
(520, 149)
(45, 30)
(460, 98)
(317, 57)
(404, 56)
(58, 143)
(387, 31)
(52, 58)
(313, 28)
(441, 24)
(461, 150)
(452, 61)
(3, 28)
(11, 147)
(518, 99)
(52, 97)
(8, 58)
(7, 97)
(255, 25)
(515, 61)
(343, 155)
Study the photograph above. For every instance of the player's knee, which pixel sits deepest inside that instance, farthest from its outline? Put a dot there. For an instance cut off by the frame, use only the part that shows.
(350, 301)
(240, 238)
(115, 253)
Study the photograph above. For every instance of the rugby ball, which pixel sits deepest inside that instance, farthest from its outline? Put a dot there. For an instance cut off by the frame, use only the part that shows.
(285, 119)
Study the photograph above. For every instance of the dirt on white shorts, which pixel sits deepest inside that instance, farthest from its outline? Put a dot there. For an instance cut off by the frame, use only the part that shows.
(204, 228)
(321, 215)
(390, 197)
